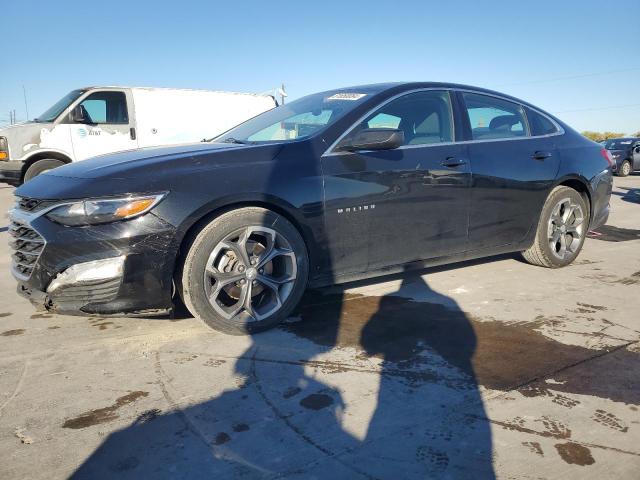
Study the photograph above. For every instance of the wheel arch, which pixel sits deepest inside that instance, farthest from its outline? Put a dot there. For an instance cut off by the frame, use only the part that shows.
(205, 215)
(580, 185)
(41, 155)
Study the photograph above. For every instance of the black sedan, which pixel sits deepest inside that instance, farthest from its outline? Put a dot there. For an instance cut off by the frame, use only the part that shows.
(625, 153)
(334, 187)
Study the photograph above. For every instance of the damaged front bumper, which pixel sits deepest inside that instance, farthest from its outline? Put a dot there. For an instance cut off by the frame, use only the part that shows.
(118, 268)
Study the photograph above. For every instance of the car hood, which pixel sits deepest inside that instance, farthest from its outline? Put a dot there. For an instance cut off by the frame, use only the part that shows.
(142, 170)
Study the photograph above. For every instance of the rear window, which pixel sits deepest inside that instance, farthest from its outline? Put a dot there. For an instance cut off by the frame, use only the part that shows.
(540, 125)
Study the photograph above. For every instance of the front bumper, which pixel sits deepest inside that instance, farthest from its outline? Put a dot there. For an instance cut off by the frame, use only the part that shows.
(11, 171)
(143, 282)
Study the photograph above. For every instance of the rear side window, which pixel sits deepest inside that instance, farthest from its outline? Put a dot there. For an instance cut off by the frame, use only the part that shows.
(540, 125)
(106, 107)
(493, 118)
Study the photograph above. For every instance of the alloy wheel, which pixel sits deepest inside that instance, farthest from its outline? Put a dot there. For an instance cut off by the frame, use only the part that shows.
(565, 228)
(251, 272)
(626, 168)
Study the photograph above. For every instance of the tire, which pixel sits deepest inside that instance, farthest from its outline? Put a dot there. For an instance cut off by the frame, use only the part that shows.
(41, 166)
(547, 249)
(625, 169)
(214, 268)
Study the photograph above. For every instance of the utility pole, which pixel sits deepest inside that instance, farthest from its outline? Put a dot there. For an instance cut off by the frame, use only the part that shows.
(26, 108)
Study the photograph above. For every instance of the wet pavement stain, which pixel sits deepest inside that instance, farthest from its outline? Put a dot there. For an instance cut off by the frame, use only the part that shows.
(609, 233)
(291, 392)
(504, 356)
(240, 427)
(575, 454)
(40, 315)
(316, 401)
(103, 325)
(148, 415)
(103, 415)
(534, 447)
(609, 420)
(11, 333)
(55, 327)
(221, 438)
(5, 314)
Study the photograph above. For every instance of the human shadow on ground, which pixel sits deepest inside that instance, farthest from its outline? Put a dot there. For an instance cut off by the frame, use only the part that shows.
(409, 349)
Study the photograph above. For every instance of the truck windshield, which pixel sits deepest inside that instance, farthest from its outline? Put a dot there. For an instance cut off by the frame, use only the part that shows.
(296, 120)
(51, 114)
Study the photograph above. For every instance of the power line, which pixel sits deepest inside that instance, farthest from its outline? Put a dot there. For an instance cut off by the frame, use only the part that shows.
(629, 105)
(571, 77)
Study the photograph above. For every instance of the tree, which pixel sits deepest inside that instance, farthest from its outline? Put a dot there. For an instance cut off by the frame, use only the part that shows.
(600, 136)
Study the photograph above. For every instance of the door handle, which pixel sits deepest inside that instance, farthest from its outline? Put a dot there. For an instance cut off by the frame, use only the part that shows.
(452, 162)
(132, 133)
(540, 155)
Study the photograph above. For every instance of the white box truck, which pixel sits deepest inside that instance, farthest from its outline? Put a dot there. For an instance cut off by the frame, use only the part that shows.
(98, 120)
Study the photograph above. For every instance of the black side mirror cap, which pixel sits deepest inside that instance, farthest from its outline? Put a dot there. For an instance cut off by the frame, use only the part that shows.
(374, 139)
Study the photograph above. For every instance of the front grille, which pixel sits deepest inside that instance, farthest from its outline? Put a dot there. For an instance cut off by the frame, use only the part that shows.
(27, 246)
(32, 204)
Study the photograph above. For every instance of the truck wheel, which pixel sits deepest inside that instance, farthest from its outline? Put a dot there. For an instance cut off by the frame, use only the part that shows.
(625, 169)
(41, 166)
(561, 230)
(244, 272)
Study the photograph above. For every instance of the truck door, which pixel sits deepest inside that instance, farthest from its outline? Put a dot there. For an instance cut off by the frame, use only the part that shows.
(102, 123)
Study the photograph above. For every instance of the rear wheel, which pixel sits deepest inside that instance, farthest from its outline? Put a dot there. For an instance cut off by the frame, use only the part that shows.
(625, 169)
(245, 271)
(41, 166)
(561, 230)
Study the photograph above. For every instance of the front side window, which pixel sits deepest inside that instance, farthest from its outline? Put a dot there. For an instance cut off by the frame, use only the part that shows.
(423, 117)
(296, 120)
(105, 107)
(493, 118)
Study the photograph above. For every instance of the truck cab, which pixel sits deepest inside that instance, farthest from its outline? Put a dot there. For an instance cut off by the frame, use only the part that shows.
(93, 121)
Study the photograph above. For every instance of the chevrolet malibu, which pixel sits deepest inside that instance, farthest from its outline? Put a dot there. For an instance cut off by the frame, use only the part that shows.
(334, 187)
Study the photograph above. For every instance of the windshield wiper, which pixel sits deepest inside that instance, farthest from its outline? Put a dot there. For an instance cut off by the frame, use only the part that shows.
(234, 140)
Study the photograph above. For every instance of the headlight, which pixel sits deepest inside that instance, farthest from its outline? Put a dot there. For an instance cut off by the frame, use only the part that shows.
(93, 212)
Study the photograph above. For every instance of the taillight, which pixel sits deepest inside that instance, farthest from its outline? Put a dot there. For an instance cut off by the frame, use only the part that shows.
(607, 156)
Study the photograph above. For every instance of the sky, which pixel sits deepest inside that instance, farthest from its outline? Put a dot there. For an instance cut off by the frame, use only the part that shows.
(579, 60)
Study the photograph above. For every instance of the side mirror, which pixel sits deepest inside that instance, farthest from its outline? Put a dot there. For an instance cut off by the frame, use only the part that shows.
(77, 115)
(374, 139)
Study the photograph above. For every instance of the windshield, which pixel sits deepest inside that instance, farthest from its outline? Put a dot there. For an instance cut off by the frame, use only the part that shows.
(619, 144)
(51, 114)
(296, 120)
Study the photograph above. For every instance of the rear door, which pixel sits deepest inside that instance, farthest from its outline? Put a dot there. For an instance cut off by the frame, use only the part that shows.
(385, 208)
(109, 126)
(512, 169)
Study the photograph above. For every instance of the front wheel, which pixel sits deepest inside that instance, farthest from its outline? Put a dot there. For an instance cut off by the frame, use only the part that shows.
(245, 271)
(561, 230)
(41, 166)
(625, 169)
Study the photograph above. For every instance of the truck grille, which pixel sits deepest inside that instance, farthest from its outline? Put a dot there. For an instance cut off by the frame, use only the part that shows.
(27, 246)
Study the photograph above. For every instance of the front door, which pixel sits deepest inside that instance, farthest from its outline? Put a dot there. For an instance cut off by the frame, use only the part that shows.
(389, 207)
(107, 126)
(636, 156)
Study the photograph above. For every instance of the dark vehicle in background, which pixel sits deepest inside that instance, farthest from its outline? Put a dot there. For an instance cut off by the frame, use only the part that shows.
(333, 187)
(625, 153)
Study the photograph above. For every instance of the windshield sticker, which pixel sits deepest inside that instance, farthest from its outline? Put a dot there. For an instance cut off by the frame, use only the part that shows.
(347, 96)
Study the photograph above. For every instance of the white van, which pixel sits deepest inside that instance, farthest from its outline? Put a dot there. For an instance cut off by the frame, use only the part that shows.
(97, 120)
